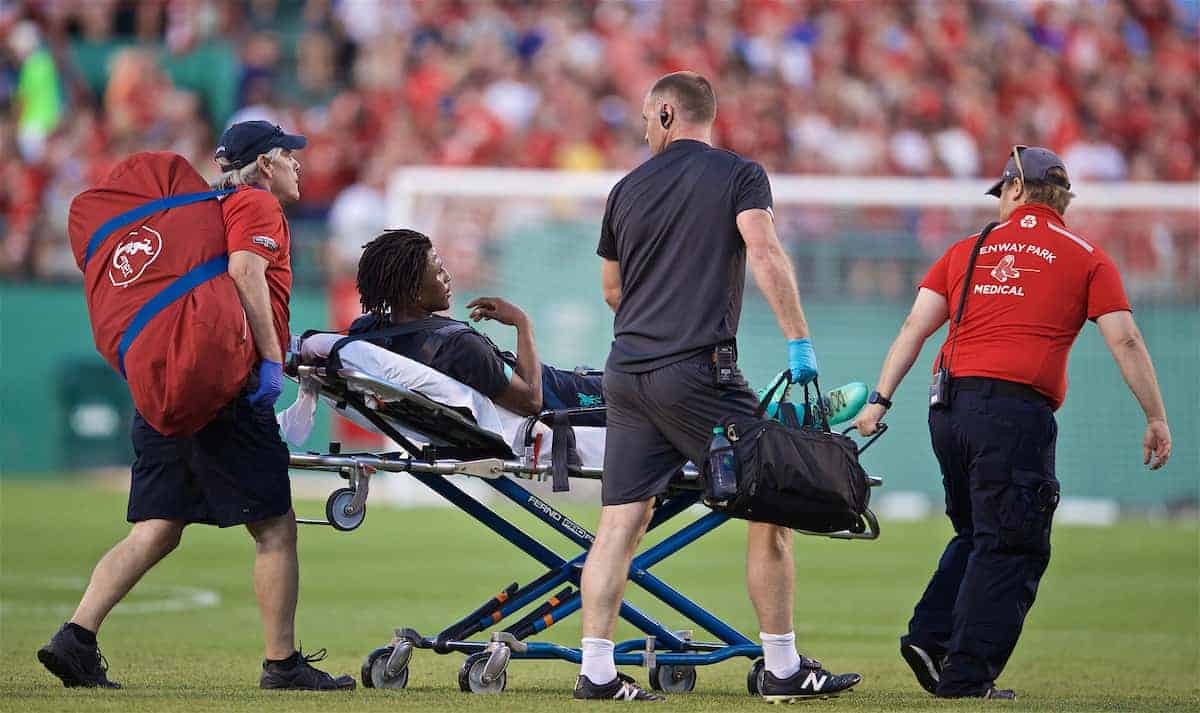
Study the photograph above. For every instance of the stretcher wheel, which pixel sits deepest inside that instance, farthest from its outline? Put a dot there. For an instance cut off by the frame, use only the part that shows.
(470, 676)
(374, 672)
(754, 679)
(673, 679)
(335, 510)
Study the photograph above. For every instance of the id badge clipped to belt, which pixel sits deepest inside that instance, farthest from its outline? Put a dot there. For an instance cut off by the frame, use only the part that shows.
(939, 389)
(725, 371)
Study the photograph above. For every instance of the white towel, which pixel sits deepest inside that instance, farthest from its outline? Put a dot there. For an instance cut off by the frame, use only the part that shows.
(297, 420)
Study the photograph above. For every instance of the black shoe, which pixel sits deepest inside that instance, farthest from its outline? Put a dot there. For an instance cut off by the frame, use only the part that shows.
(925, 665)
(298, 674)
(991, 692)
(621, 688)
(75, 663)
(811, 681)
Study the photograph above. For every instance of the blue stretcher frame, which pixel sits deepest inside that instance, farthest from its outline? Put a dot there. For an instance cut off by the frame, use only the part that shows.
(669, 648)
(461, 447)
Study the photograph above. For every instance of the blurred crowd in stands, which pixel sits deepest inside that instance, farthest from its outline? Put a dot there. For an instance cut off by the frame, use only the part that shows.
(910, 88)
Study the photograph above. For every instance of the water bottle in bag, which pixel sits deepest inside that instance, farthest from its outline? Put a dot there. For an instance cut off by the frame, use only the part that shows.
(721, 484)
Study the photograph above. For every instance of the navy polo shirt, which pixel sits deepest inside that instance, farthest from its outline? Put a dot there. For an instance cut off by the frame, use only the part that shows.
(671, 226)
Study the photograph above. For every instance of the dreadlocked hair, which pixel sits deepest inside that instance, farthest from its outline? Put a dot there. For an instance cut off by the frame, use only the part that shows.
(391, 270)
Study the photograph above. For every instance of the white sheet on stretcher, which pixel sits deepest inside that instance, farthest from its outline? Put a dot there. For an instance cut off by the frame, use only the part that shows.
(297, 420)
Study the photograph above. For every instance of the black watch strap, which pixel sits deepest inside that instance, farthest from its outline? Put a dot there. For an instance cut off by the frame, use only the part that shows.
(878, 398)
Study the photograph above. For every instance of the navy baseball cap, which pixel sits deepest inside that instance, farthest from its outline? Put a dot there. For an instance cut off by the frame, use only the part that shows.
(1036, 165)
(245, 141)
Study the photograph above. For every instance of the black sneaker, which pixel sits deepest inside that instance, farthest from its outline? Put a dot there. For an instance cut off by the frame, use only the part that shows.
(75, 663)
(926, 666)
(621, 688)
(811, 681)
(298, 674)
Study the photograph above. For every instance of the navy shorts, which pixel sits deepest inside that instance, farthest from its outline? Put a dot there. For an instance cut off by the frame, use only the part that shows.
(231, 472)
(661, 419)
(562, 389)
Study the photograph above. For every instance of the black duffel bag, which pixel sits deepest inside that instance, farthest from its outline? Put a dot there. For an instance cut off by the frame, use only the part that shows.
(802, 477)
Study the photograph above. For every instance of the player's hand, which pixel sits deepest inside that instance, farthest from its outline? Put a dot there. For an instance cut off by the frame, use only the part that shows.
(270, 384)
(868, 419)
(1156, 443)
(498, 309)
(802, 360)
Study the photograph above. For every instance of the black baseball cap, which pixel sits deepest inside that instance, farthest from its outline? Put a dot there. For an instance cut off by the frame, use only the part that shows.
(245, 141)
(1036, 165)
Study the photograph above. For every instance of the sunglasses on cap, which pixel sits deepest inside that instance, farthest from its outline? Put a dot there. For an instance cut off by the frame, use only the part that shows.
(1016, 154)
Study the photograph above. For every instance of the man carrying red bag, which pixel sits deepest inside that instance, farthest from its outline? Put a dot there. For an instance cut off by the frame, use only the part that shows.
(233, 470)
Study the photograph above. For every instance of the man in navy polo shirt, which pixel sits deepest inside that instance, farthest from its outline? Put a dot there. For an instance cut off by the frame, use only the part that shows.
(677, 236)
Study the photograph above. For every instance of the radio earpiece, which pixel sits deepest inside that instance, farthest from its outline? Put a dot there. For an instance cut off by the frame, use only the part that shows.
(665, 118)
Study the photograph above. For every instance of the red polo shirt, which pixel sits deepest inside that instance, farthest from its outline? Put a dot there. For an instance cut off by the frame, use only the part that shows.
(1035, 284)
(254, 221)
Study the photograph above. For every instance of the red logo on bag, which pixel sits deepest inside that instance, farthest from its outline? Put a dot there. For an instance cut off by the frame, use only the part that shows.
(133, 255)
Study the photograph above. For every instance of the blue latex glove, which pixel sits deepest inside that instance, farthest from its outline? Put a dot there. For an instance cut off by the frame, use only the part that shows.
(802, 360)
(270, 384)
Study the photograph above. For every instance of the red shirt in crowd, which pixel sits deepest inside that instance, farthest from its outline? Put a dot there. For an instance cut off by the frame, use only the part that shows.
(254, 221)
(1035, 284)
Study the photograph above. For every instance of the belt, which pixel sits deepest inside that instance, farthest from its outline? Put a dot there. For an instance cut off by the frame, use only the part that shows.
(999, 387)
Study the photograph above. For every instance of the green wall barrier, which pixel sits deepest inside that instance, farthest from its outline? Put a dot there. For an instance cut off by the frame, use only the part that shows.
(48, 363)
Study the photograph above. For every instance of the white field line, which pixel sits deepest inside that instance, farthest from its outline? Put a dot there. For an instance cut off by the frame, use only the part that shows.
(168, 598)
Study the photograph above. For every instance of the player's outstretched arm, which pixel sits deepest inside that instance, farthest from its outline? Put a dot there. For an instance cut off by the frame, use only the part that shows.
(524, 392)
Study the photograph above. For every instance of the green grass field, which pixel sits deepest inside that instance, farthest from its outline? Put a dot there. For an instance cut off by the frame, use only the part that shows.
(1117, 625)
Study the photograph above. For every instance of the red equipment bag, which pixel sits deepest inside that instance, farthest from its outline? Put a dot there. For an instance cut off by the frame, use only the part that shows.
(150, 240)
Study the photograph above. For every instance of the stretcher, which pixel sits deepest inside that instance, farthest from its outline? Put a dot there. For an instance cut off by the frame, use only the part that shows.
(444, 428)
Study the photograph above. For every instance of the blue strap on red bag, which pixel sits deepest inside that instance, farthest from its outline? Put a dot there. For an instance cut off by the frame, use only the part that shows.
(183, 284)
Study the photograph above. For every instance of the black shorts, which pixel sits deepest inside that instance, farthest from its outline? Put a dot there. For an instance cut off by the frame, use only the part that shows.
(231, 472)
(661, 419)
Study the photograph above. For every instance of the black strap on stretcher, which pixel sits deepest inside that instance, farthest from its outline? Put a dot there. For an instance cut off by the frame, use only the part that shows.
(564, 458)
(429, 349)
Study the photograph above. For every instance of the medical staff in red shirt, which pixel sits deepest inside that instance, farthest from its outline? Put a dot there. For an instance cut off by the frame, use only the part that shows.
(1033, 283)
(234, 470)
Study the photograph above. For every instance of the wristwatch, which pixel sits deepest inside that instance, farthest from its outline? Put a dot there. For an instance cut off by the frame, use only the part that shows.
(878, 398)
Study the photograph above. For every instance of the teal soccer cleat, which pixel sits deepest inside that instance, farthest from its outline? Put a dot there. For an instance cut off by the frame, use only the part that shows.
(840, 405)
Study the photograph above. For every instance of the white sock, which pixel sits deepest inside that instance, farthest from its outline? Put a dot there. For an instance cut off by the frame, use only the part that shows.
(779, 653)
(598, 663)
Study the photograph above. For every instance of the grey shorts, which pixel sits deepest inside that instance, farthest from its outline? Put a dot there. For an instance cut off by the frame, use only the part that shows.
(661, 419)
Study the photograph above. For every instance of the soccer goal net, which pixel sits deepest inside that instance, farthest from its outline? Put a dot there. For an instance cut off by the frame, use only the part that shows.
(859, 246)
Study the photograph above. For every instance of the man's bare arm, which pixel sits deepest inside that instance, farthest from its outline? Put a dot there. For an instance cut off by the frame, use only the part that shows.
(524, 392)
(610, 282)
(249, 273)
(929, 312)
(1128, 348)
(772, 271)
